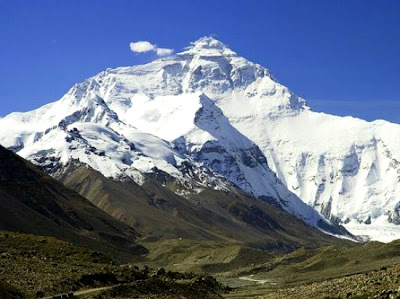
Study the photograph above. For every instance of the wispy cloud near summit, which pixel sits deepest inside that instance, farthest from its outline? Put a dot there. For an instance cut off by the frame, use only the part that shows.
(142, 47)
(164, 51)
(145, 46)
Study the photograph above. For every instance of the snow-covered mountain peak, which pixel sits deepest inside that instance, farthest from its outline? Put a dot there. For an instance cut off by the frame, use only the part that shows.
(208, 67)
(332, 163)
(208, 46)
(211, 107)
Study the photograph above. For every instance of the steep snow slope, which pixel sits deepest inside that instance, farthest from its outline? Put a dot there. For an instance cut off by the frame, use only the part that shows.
(348, 169)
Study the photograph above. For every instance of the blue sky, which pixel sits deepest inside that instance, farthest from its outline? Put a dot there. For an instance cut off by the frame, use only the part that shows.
(343, 57)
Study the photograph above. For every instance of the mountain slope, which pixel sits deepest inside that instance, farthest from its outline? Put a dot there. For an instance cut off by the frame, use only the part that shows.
(346, 168)
(206, 135)
(33, 202)
(154, 210)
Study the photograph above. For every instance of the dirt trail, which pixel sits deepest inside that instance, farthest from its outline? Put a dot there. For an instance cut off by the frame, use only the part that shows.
(80, 293)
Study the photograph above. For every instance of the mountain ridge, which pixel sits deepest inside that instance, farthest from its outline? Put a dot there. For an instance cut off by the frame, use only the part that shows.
(158, 211)
(33, 202)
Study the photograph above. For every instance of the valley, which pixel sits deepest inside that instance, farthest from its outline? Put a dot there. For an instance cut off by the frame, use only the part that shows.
(32, 267)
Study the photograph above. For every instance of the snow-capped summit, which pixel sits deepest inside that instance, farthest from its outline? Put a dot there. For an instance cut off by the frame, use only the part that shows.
(208, 46)
(234, 123)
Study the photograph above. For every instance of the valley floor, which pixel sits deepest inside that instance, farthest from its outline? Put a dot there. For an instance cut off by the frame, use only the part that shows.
(383, 283)
(36, 267)
(41, 267)
(370, 270)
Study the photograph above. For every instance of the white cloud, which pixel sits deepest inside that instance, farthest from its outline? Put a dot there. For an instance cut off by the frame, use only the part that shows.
(142, 47)
(164, 51)
(145, 46)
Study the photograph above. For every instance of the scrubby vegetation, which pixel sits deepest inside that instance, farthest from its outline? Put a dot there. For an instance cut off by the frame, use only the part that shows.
(35, 267)
(168, 287)
(43, 266)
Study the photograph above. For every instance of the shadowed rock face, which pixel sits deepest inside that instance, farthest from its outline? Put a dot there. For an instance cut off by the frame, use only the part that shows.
(33, 202)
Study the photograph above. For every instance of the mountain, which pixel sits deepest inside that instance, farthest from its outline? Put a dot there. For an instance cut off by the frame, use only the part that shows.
(196, 144)
(33, 202)
(210, 118)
